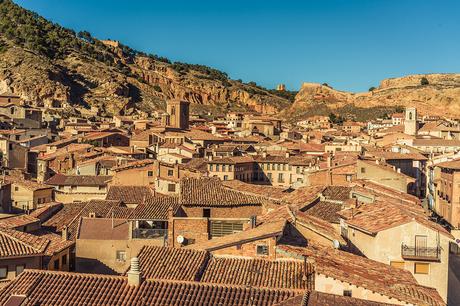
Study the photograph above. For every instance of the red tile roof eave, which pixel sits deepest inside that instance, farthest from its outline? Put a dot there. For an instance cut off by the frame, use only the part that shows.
(243, 241)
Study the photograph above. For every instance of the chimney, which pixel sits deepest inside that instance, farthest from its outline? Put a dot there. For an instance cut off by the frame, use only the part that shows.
(264, 154)
(253, 221)
(287, 154)
(65, 233)
(398, 170)
(134, 274)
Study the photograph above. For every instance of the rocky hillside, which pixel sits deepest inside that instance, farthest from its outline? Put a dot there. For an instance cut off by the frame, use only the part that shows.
(43, 62)
(437, 94)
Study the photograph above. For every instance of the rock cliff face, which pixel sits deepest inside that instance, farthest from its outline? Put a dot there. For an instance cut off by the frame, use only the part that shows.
(440, 96)
(45, 63)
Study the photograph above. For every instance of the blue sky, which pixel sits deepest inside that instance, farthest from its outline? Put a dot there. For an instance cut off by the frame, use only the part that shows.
(350, 44)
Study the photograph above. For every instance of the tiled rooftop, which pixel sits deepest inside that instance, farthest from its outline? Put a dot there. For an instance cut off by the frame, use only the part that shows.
(18, 221)
(130, 194)
(70, 214)
(287, 274)
(172, 263)
(16, 244)
(78, 180)
(325, 210)
(95, 290)
(156, 208)
(372, 275)
(210, 192)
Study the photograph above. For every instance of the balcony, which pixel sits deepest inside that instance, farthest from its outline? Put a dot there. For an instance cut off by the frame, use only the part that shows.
(421, 253)
(144, 233)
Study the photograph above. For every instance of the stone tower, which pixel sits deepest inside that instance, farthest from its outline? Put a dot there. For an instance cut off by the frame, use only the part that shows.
(410, 121)
(179, 113)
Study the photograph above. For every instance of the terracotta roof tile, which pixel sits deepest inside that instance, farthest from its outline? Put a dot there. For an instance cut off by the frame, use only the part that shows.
(14, 243)
(363, 272)
(78, 180)
(210, 192)
(134, 164)
(130, 194)
(287, 274)
(18, 221)
(156, 208)
(69, 216)
(94, 290)
(324, 210)
(56, 245)
(172, 263)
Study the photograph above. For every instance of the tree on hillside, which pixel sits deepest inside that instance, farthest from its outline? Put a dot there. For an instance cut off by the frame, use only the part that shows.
(372, 88)
(86, 36)
(336, 119)
(424, 81)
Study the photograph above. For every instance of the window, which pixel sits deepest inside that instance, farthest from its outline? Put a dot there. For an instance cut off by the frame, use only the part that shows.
(170, 172)
(3, 272)
(19, 269)
(121, 256)
(217, 168)
(349, 177)
(172, 187)
(397, 264)
(280, 178)
(363, 170)
(16, 188)
(230, 167)
(224, 168)
(56, 264)
(150, 173)
(225, 177)
(421, 268)
(346, 292)
(223, 228)
(211, 167)
(64, 259)
(262, 250)
(206, 213)
(269, 176)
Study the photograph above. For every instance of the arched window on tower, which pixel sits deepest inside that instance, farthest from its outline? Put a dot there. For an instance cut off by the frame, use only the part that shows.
(410, 115)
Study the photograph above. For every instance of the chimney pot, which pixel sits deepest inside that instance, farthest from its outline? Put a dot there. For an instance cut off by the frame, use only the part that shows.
(134, 274)
(64, 233)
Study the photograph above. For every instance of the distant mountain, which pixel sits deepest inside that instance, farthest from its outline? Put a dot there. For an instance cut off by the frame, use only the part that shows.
(436, 94)
(43, 62)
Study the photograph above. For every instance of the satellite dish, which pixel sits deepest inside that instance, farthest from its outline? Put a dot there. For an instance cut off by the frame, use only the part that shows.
(180, 239)
(335, 244)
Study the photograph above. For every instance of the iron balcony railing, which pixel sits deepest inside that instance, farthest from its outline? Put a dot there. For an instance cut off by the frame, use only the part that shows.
(144, 233)
(421, 253)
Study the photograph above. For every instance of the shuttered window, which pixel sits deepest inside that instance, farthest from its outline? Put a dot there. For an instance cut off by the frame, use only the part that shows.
(223, 228)
(397, 264)
(421, 268)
